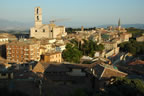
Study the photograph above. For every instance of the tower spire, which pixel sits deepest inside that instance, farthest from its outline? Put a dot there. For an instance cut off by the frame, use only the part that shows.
(119, 23)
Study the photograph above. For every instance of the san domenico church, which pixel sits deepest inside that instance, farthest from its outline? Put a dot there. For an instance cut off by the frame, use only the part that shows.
(45, 30)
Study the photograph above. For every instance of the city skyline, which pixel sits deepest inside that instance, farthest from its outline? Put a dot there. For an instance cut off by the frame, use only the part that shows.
(75, 13)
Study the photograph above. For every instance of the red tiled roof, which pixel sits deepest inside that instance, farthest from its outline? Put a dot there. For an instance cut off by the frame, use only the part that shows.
(136, 62)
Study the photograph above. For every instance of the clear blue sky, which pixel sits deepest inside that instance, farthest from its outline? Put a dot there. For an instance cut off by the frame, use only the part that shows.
(76, 12)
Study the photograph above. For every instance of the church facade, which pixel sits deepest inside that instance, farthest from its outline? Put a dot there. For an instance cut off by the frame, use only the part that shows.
(45, 30)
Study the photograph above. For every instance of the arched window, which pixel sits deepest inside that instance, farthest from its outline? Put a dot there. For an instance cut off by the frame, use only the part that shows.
(37, 11)
(43, 30)
(37, 17)
(52, 30)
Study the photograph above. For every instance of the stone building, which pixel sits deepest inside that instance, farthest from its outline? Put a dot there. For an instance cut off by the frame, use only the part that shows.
(140, 39)
(82, 28)
(125, 37)
(45, 30)
(110, 45)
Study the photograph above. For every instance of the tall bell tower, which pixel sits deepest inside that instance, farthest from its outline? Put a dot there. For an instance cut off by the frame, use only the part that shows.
(38, 16)
(119, 24)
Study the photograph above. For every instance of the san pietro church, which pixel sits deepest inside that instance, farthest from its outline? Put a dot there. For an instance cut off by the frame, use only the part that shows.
(45, 30)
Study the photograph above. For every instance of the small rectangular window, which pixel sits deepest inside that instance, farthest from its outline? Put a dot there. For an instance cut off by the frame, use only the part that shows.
(43, 30)
(35, 30)
(3, 74)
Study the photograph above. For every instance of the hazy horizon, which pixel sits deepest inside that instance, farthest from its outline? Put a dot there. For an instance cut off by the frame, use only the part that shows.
(75, 13)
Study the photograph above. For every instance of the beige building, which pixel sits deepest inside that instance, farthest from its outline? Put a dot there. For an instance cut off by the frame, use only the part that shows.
(112, 52)
(46, 47)
(3, 40)
(45, 30)
(140, 39)
(52, 57)
(5, 37)
(109, 45)
(23, 51)
(96, 37)
(125, 37)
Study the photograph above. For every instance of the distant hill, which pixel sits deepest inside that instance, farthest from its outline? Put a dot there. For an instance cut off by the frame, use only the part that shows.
(7, 25)
(139, 26)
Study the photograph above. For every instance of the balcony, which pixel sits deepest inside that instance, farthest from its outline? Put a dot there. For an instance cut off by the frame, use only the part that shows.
(9, 53)
(31, 49)
(26, 49)
(26, 58)
(8, 57)
(26, 54)
(8, 48)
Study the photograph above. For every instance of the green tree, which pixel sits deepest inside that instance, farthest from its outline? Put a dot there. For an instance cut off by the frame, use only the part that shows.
(135, 32)
(90, 47)
(71, 54)
(134, 47)
(124, 87)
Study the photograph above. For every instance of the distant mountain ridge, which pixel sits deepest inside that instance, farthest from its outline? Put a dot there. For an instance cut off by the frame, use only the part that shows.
(139, 26)
(7, 25)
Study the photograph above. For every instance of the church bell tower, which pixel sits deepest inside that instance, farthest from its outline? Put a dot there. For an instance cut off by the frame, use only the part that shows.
(119, 24)
(38, 16)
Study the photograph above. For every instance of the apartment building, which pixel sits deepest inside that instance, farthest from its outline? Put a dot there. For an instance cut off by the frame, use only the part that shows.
(23, 51)
(3, 41)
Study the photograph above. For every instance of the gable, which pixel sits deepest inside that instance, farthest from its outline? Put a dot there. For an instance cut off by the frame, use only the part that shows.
(38, 68)
(112, 73)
